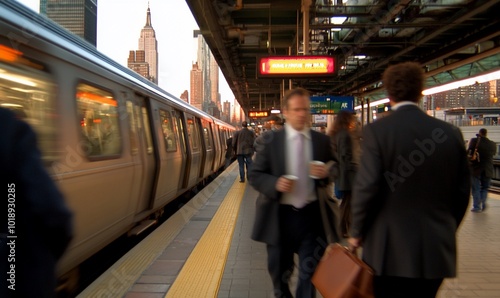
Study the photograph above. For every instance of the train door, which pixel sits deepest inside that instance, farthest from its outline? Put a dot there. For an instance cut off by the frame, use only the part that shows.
(222, 145)
(178, 122)
(216, 137)
(170, 157)
(208, 141)
(195, 148)
(142, 151)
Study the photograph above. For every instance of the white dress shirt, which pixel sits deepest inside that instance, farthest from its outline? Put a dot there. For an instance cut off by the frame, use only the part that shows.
(403, 103)
(291, 168)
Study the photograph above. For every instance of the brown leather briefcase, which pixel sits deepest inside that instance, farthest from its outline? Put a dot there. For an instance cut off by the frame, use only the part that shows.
(341, 274)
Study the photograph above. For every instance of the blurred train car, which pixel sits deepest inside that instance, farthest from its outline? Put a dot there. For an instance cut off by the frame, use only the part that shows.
(119, 147)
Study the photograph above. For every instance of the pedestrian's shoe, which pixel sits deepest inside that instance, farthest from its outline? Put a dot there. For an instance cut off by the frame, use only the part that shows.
(484, 207)
(241, 181)
(477, 210)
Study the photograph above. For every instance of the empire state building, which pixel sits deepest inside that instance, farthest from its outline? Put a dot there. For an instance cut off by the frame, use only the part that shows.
(148, 44)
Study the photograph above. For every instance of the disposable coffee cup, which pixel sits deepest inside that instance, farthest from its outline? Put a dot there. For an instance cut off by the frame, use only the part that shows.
(292, 178)
(312, 164)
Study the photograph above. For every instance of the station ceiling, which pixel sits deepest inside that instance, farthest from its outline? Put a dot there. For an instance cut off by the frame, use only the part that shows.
(451, 39)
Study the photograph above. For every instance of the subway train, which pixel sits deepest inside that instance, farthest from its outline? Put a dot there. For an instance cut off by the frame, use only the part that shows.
(119, 147)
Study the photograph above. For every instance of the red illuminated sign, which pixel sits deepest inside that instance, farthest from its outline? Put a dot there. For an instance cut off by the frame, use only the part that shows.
(296, 65)
(258, 114)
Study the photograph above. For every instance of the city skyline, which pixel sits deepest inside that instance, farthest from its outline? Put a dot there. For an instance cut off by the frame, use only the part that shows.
(118, 32)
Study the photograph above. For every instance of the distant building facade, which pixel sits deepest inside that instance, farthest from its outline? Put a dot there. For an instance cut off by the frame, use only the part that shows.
(214, 81)
(210, 72)
(137, 62)
(185, 96)
(477, 95)
(213, 110)
(226, 111)
(77, 16)
(196, 87)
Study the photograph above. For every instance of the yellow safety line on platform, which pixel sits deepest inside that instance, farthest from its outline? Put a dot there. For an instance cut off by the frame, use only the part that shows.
(201, 275)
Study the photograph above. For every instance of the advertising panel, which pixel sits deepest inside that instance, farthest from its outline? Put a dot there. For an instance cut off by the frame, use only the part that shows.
(331, 104)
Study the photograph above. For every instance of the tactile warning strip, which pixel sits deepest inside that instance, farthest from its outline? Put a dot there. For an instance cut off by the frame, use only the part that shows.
(202, 273)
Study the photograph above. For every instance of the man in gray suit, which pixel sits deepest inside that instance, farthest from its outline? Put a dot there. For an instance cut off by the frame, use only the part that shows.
(288, 217)
(406, 207)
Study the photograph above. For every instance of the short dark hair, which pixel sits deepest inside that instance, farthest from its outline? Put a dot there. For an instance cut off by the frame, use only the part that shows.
(292, 92)
(244, 124)
(483, 132)
(404, 81)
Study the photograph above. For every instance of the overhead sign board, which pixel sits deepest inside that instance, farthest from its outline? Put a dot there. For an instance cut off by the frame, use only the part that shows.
(258, 114)
(296, 65)
(331, 104)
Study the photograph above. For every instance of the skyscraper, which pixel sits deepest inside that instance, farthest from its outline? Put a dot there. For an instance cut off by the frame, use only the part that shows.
(210, 72)
(196, 87)
(148, 43)
(77, 16)
(214, 80)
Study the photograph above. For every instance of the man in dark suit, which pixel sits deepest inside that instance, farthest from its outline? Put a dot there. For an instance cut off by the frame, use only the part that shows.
(406, 209)
(482, 168)
(288, 218)
(243, 146)
(39, 226)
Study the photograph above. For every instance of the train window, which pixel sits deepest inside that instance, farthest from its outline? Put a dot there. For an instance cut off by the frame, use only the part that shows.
(98, 116)
(133, 128)
(30, 94)
(147, 130)
(193, 134)
(168, 131)
(206, 134)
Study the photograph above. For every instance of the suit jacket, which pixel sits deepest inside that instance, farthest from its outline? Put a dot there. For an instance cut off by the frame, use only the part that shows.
(268, 166)
(243, 141)
(344, 149)
(42, 220)
(410, 195)
(486, 150)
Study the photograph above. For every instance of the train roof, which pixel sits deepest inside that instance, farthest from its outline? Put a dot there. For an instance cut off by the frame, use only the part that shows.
(32, 22)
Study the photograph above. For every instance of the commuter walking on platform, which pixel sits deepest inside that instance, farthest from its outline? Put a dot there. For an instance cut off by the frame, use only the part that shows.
(243, 145)
(481, 151)
(288, 217)
(406, 208)
(39, 226)
(345, 143)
